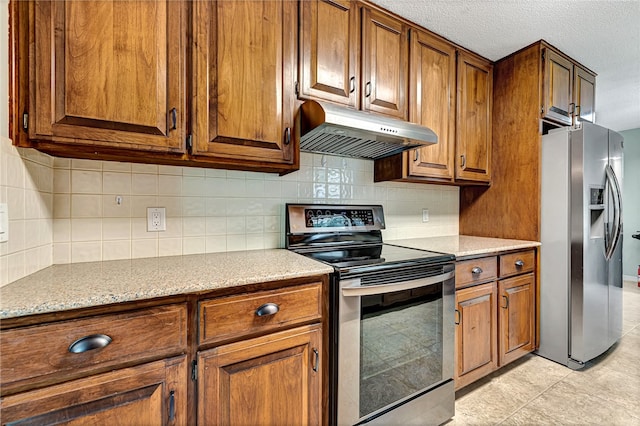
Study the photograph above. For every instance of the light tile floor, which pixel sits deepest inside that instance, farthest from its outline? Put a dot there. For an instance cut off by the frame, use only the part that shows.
(536, 391)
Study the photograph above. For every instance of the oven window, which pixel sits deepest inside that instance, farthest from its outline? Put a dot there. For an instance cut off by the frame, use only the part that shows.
(401, 346)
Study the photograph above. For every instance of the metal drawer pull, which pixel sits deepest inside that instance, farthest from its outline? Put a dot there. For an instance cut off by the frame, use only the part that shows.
(476, 270)
(352, 84)
(89, 343)
(316, 360)
(519, 263)
(174, 119)
(506, 302)
(172, 406)
(267, 309)
(459, 320)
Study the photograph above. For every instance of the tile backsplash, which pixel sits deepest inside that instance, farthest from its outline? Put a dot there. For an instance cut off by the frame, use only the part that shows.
(26, 185)
(88, 210)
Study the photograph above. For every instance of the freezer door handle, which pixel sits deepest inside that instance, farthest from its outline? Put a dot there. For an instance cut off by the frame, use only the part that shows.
(612, 241)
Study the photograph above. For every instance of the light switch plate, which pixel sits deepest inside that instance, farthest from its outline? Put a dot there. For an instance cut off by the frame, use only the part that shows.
(156, 219)
(4, 222)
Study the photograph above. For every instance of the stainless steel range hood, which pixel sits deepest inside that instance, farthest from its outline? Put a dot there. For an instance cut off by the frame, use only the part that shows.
(331, 129)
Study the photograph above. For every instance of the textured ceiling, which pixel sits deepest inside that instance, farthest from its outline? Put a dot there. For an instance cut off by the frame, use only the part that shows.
(603, 35)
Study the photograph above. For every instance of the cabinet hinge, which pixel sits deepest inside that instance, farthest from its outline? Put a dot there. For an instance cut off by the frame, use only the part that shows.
(25, 121)
(194, 371)
(190, 144)
(297, 88)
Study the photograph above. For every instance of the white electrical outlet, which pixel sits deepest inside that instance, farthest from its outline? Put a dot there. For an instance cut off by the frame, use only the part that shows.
(425, 215)
(4, 222)
(156, 219)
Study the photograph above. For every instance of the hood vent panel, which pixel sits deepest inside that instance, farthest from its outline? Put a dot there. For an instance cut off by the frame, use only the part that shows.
(331, 129)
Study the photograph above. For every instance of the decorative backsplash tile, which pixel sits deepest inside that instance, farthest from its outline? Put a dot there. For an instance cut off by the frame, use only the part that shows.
(87, 210)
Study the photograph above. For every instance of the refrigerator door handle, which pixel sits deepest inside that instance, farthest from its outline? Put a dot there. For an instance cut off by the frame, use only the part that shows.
(617, 210)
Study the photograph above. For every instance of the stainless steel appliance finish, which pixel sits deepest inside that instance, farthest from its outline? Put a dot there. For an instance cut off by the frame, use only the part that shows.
(581, 256)
(331, 129)
(391, 317)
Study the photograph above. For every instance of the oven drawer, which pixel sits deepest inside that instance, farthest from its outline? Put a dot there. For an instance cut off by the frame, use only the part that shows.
(232, 317)
(100, 342)
(476, 271)
(517, 263)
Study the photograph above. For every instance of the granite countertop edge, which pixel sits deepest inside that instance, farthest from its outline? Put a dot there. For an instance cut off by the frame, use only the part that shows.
(84, 285)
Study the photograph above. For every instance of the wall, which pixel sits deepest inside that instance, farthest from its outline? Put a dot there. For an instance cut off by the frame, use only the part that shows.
(63, 211)
(212, 210)
(26, 178)
(631, 203)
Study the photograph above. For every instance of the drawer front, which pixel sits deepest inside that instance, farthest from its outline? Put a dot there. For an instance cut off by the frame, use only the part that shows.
(44, 350)
(517, 263)
(474, 271)
(231, 317)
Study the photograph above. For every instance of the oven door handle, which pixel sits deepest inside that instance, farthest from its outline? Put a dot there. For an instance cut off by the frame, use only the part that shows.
(370, 290)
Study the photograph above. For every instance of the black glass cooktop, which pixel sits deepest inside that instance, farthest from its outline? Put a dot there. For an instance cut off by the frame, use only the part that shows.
(378, 254)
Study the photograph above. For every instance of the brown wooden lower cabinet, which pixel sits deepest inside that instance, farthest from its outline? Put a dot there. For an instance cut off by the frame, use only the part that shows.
(270, 380)
(147, 394)
(476, 333)
(517, 317)
(138, 364)
(495, 320)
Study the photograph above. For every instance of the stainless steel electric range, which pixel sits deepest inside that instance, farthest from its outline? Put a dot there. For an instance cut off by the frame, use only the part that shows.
(391, 314)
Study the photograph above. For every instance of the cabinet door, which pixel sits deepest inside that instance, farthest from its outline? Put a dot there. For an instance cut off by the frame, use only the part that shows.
(385, 59)
(243, 79)
(329, 68)
(584, 91)
(109, 73)
(517, 317)
(271, 380)
(473, 128)
(557, 101)
(149, 394)
(476, 333)
(432, 103)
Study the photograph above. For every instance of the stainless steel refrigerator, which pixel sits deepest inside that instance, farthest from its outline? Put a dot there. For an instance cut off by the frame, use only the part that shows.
(581, 236)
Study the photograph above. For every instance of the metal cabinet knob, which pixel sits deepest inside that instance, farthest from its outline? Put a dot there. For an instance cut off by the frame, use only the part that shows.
(476, 270)
(519, 263)
(267, 309)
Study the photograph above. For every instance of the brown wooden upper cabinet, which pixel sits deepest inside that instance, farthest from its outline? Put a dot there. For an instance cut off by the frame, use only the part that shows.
(108, 74)
(473, 129)
(584, 89)
(243, 77)
(108, 81)
(432, 91)
(441, 91)
(334, 34)
(329, 51)
(569, 89)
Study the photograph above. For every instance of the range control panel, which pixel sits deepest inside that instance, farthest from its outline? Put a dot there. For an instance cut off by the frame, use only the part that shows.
(333, 218)
(316, 218)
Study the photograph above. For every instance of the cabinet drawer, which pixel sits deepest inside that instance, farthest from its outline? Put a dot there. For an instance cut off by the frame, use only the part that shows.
(230, 317)
(517, 263)
(476, 271)
(45, 350)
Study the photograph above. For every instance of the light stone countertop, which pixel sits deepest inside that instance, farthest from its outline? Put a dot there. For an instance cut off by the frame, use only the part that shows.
(82, 285)
(465, 245)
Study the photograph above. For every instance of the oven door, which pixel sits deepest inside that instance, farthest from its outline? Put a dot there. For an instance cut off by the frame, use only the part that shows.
(395, 346)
